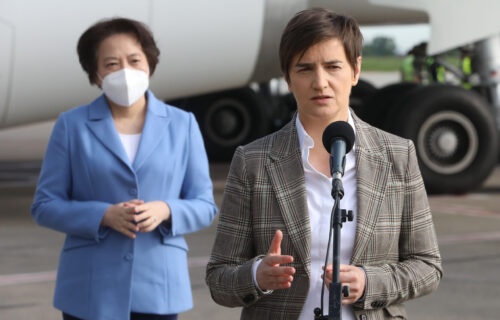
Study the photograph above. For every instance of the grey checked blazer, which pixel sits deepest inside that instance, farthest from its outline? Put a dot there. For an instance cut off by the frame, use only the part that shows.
(265, 190)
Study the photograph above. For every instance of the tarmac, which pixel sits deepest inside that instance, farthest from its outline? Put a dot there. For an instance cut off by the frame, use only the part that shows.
(468, 229)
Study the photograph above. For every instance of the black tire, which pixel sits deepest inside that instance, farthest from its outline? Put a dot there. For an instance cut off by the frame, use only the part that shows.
(287, 107)
(229, 119)
(384, 102)
(361, 95)
(454, 133)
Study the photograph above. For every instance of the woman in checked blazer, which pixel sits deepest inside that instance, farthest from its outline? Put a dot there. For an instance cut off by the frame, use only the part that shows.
(271, 238)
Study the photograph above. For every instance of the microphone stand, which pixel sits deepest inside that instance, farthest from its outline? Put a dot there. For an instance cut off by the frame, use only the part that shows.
(336, 290)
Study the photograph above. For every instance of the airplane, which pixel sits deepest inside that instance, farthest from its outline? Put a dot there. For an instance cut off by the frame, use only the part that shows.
(219, 60)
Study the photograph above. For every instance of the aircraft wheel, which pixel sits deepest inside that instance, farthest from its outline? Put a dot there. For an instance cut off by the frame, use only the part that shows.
(385, 102)
(360, 98)
(230, 119)
(454, 134)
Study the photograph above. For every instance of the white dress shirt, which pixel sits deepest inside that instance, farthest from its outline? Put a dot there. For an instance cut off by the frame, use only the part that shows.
(319, 205)
(130, 143)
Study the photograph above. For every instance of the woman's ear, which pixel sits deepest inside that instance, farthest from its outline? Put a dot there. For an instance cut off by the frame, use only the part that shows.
(356, 71)
(98, 81)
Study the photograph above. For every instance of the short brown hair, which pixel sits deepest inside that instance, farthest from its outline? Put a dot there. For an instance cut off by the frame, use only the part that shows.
(312, 26)
(90, 40)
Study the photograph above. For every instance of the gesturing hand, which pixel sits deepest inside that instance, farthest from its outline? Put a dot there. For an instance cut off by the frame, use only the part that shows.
(270, 275)
(351, 276)
(120, 217)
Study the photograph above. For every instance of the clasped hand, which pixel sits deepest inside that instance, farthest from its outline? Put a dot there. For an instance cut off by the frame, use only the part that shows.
(135, 216)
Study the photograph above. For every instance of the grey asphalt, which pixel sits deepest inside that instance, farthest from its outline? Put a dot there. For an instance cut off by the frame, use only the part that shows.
(468, 228)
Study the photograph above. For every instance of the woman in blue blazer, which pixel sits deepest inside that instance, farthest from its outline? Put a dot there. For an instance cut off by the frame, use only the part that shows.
(125, 177)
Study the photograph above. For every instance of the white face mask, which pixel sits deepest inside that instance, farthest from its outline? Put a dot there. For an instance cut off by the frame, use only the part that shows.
(124, 87)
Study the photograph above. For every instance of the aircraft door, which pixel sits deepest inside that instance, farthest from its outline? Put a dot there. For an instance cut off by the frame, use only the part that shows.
(7, 36)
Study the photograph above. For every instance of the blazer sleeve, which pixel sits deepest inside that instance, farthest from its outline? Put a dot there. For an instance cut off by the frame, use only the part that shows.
(52, 206)
(229, 270)
(418, 271)
(195, 209)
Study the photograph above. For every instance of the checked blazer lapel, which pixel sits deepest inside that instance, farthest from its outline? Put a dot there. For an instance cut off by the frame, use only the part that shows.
(372, 175)
(286, 175)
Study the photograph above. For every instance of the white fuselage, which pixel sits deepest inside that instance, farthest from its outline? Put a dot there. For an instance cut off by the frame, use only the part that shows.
(205, 46)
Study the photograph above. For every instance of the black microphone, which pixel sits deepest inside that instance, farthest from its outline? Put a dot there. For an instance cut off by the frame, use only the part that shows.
(338, 139)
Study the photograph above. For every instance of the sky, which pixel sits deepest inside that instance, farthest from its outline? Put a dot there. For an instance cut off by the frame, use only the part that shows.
(405, 36)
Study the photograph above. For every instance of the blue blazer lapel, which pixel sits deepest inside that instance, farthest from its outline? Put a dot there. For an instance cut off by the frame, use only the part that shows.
(286, 175)
(102, 125)
(372, 175)
(154, 130)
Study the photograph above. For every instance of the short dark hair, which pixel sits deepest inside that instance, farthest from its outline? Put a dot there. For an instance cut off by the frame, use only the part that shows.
(309, 27)
(89, 42)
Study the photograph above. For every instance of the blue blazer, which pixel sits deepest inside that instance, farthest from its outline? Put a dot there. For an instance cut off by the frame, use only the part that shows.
(103, 274)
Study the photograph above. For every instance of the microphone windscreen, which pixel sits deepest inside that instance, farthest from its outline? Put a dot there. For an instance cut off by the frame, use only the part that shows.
(336, 130)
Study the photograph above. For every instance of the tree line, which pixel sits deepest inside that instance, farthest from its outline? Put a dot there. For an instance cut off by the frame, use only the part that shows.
(380, 46)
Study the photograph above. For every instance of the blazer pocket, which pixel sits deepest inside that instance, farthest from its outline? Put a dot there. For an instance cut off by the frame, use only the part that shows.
(74, 242)
(177, 242)
(396, 311)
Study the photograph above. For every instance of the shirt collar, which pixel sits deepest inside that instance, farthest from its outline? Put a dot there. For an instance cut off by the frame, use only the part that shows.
(306, 142)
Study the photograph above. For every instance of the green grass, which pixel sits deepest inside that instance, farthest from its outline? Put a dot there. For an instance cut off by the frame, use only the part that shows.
(392, 63)
(372, 63)
(453, 60)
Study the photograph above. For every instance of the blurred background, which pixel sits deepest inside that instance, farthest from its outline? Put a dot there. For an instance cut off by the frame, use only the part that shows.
(430, 73)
